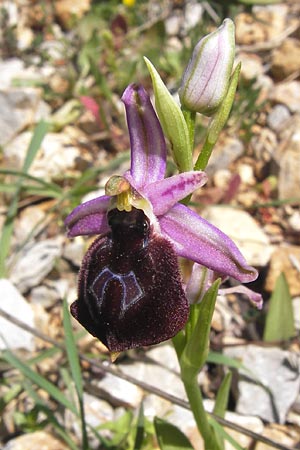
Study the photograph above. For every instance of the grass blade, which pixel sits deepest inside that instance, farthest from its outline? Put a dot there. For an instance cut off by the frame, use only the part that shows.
(40, 381)
(75, 368)
(7, 231)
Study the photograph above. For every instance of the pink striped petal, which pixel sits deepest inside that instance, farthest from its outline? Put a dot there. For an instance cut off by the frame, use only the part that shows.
(165, 193)
(148, 147)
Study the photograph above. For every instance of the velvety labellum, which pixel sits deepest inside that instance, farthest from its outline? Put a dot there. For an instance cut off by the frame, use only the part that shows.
(130, 292)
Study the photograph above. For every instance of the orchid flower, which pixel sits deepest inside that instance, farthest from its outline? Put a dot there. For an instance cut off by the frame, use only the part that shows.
(144, 187)
(143, 228)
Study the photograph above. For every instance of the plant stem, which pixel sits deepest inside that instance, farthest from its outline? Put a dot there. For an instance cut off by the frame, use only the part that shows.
(196, 403)
(190, 117)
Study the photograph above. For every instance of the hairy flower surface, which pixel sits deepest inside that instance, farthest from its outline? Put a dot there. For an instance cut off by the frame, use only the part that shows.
(130, 292)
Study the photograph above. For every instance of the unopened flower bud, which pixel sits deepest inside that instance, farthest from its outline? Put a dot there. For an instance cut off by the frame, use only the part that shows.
(205, 81)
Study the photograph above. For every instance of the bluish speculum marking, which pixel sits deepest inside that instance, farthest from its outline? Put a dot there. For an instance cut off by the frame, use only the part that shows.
(131, 290)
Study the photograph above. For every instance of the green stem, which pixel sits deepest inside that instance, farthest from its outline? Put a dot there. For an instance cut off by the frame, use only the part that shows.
(196, 403)
(204, 156)
(190, 118)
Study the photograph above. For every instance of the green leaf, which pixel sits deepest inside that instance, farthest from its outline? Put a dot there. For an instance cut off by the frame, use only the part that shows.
(172, 121)
(197, 330)
(170, 437)
(280, 318)
(222, 396)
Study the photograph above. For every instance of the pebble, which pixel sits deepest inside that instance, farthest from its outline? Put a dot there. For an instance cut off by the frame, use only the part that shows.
(277, 117)
(39, 440)
(285, 259)
(285, 60)
(49, 293)
(246, 174)
(58, 155)
(272, 368)
(296, 308)
(34, 263)
(244, 231)
(74, 250)
(119, 392)
(252, 66)
(294, 221)
(193, 13)
(287, 93)
(225, 152)
(18, 109)
(289, 168)
(12, 302)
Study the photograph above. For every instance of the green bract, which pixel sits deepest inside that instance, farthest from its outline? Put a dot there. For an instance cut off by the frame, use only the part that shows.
(172, 121)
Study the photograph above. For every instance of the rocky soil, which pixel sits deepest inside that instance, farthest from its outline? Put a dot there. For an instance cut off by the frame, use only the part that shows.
(253, 195)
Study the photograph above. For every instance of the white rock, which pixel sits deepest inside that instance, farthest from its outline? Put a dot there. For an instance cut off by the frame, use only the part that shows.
(287, 93)
(35, 261)
(158, 375)
(119, 392)
(296, 308)
(12, 302)
(192, 15)
(74, 250)
(38, 440)
(224, 154)
(18, 109)
(56, 155)
(246, 173)
(173, 24)
(244, 231)
(278, 117)
(294, 221)
(252, 66)
(277, 370)
(48, 294)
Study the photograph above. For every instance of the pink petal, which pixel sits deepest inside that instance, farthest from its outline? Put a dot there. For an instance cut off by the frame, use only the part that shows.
(165, 193)
(148, 147)
(89, 218)
(196, 239)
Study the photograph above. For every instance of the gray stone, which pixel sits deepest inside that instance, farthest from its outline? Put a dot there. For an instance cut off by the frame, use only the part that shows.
(74, 250)
(278, 373)
(57, 155)
(296, 308)
(277, 117)
(12, 302)
(173, 24)
(287, 93)
(224, 154)
(162, 372)
(244, 231)
(119, 392)
(49, 293)
(289, 170)
(18, 109)
(192, 14)
(35, 261)
(39, 440)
